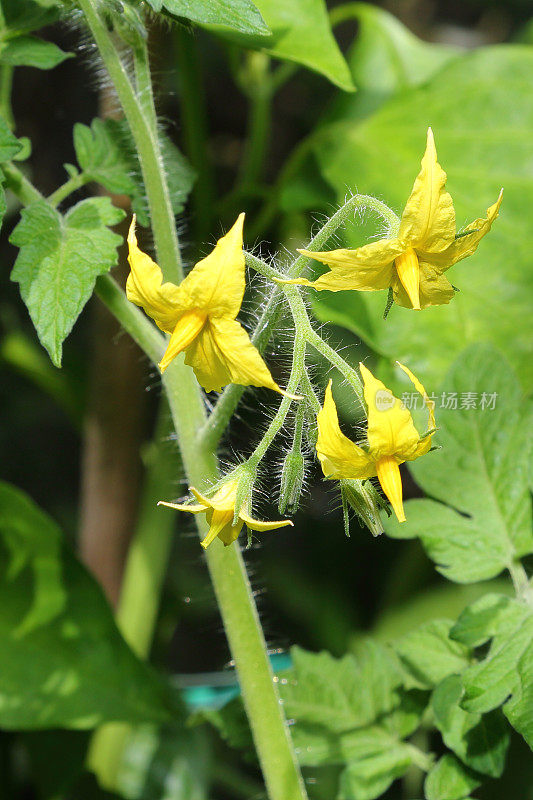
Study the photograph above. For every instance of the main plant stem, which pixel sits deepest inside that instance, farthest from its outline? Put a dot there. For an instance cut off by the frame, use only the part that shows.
(147, 144)
(226, 566)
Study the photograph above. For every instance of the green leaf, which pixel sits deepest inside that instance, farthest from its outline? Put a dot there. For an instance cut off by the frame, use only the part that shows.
(518, 709)
(450, 780)
(428, 655)
(301, 33)
(62, 660)
(239, 15)
(59, 261)
(386, 58)
(28, 51)
(106, 153)
(168, 762)
(481, 470)
(327, 691)
(490, 682)
(489, 616)
(481, 742)
(9, 144)
(481, 111)
(25, 16)
(369, 778)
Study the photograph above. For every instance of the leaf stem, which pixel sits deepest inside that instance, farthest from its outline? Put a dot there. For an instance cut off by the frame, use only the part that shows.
(72, 185)
(6, 85)
(522, 586)
(20, 185)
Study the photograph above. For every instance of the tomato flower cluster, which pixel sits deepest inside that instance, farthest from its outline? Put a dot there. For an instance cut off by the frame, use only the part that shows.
(200, 316)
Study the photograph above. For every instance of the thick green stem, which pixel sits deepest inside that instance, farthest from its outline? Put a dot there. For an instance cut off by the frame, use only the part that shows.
(147, 143)
(235, 600)
(143, 80)
(232, 588)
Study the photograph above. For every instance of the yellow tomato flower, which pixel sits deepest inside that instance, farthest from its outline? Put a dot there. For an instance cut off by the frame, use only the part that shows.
(391, 439)
(220, 510)
(200, 313)
(413, 262)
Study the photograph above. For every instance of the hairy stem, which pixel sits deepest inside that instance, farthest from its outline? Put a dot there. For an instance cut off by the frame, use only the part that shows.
(230, 581)
(213, 429)
(147, 143)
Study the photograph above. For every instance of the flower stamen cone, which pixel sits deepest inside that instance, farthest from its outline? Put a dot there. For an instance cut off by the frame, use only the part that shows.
(185, 332)
(408, 270)
(220, 512)
(388, 473)
(413, 260)
(200, 314)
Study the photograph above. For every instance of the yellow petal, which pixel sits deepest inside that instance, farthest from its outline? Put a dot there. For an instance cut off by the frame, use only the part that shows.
(409, 274)
(161, 301)
(223, 353)
(391, 431)
(420, 389)
(428, 219)
(465, 245)
(338, 455)
(217, 282)
(367, 269)
(193, 509)
(222, 500)
(434, 288)
(258, 525)
(187, 329)
(390, 479)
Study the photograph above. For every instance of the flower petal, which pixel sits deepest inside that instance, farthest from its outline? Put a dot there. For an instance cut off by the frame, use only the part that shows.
(391, 430)
(258, 525)
(161, 301)
(424, 444)
(467, 243)
(216, 283)
(367, 268)
(338, 455)
(223, 353)
(193, 509)
(428, 219)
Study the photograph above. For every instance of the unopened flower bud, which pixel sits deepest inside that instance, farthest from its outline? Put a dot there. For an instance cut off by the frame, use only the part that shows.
(292, 478)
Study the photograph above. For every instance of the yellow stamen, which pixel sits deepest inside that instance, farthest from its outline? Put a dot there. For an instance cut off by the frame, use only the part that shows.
(187, 329)
(219, 520)
(391, 482)
(408, 271)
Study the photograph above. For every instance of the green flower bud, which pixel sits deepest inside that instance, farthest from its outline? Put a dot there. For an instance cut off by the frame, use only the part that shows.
(292, 478)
